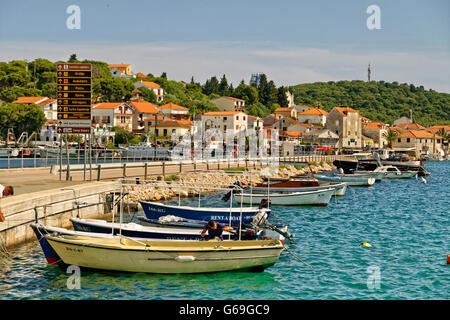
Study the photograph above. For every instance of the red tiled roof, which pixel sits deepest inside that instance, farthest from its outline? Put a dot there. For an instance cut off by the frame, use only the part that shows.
(291, 134)
(46, 102)
(233, 98)
(344, 110)
(313, 111)
(175, 124)
(374, 125)
(144, 106)
(410, 126)
(222, 113)
(435, 129)
(284, 109)
(140, 75)
(119, 65)
(417, 134)
(150, 84)
(29, 99)
(172, 106)
(107, 105)
(159, 117)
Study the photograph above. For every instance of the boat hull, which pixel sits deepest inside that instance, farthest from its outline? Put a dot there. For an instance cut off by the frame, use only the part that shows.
(133, 230)
(339, 188)
(199, 225)
(167, 257)
(50, 255)
(154, 210)
(309, 198)
(351, 181)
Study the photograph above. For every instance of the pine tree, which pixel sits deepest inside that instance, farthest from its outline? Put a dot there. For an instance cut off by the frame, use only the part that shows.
(223, 86)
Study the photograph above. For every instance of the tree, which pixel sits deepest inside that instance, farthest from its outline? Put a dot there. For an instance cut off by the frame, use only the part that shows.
(49, 90)
(282, 97)
(23, 118)
(224, 89)
(211, 86)
(11, 94)
(247, 93)
(73, 58)
(148, 95)
(390, 136)
(122, 136)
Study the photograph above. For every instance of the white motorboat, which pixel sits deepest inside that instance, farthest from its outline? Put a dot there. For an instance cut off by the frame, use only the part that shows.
(307, 198)
(351, 180)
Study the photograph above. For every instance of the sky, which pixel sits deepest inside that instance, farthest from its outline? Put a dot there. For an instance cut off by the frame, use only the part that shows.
(291, 41)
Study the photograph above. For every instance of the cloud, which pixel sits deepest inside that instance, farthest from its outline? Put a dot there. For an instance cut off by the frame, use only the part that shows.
(284, 63)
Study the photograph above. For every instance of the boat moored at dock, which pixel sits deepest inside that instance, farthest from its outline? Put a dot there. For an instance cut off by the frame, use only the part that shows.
(306, 198)
(351, 181)
(155, 210)
(166, 257)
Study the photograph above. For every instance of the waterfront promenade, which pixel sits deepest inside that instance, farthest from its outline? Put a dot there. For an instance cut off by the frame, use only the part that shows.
(51, 196)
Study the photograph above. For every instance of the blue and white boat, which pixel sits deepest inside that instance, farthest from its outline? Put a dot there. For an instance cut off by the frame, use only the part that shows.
(134, 230)
(274, 231)
(155, 210)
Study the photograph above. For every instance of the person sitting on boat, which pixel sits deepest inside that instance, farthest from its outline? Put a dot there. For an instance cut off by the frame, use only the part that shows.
(4, 192)
(214, 230)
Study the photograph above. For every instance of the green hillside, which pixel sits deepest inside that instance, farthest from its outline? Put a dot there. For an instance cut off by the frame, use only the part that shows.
(378, 101)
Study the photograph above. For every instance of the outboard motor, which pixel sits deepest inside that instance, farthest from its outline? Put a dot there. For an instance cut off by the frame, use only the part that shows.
(235, 186)
(264, 203)
(226, 196)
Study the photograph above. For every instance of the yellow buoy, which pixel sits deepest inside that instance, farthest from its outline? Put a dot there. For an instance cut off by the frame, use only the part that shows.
(366, 244)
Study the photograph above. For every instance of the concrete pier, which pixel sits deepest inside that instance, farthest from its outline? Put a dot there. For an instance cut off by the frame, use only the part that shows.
(52, 207)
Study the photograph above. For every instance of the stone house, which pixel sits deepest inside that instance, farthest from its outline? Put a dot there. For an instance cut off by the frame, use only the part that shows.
(346, 123)
(229, 104)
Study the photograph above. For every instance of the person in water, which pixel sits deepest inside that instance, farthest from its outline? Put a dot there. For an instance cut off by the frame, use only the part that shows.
(4, 192)
(214, 230)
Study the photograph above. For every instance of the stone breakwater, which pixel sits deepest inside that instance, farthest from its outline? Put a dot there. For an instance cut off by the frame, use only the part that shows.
(191, 184)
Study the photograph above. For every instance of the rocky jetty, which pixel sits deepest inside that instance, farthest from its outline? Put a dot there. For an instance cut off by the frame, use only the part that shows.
(192, 183)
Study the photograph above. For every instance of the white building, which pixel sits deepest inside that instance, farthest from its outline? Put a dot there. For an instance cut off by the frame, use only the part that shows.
(313, 115)
(48, 105)
(156, 88)
(121, 70)
(113, 114)
(225, 120)
(229, 103)
(174, 111)
(255, 123)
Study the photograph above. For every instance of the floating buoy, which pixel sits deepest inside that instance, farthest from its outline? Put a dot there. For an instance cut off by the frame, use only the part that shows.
(448, 259)
(366, 244)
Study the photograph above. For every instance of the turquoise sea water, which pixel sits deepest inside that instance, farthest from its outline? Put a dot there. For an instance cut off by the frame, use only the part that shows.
(405, 221)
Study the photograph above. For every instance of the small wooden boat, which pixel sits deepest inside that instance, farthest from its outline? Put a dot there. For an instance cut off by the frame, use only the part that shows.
(155, 210)
(299, 185)
(168, 257)
(306, 198)
(50, 255)
(348, 179)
